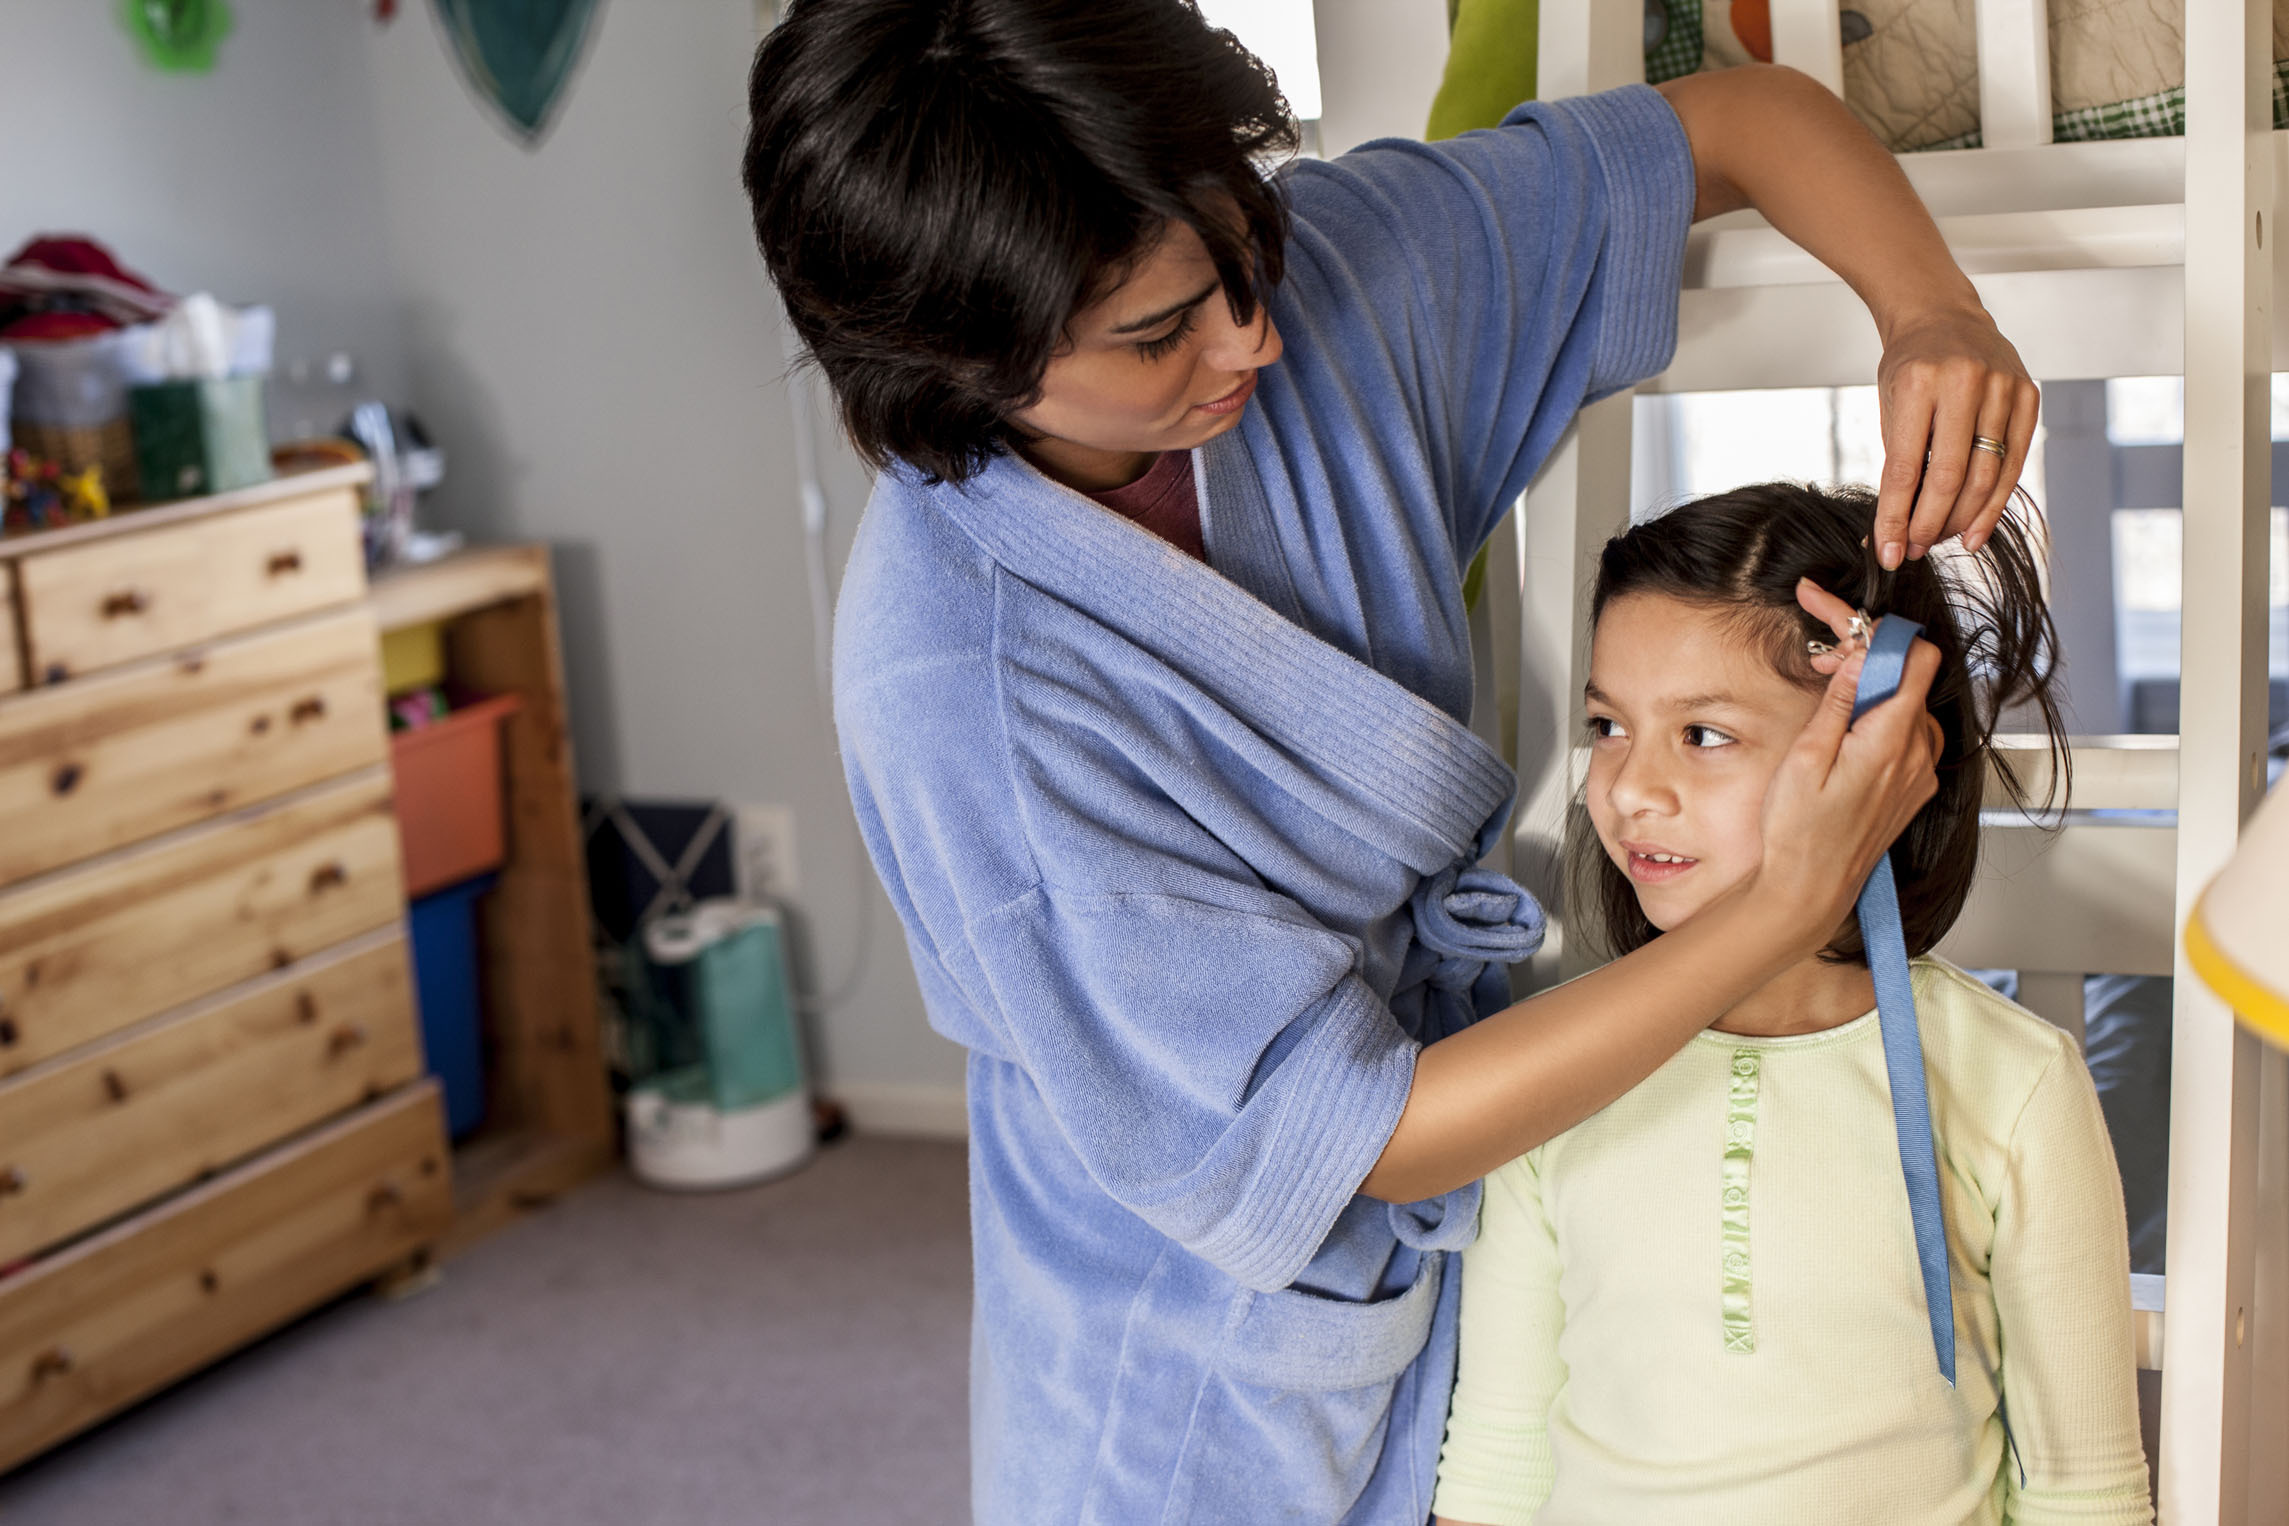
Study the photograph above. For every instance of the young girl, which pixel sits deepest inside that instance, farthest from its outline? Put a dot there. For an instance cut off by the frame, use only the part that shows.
(1704, 1303)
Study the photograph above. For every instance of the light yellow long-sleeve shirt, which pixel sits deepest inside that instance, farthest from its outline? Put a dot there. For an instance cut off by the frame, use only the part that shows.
(1703, 1303)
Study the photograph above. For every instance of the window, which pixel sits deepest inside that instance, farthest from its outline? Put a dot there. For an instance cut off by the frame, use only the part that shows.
(1281, 33)
(1694, 443)
(2151, 410)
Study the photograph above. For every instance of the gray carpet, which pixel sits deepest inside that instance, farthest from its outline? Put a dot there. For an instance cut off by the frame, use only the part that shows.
(794, 1353)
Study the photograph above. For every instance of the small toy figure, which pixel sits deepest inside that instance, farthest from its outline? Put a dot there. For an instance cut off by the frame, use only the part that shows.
(37, 494)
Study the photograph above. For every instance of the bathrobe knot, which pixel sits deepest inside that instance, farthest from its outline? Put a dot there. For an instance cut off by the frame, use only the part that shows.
(1470, 918)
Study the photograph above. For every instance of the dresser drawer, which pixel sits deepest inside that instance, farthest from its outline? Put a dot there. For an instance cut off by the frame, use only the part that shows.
(136, 595)
(90, 950)
(107, 1321)
(11, 651)
(100, 762)
(115, 1124)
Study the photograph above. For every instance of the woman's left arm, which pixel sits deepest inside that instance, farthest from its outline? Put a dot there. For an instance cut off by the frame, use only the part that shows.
(1771, 138)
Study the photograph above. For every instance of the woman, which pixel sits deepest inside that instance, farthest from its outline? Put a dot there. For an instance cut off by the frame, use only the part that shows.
(1152, 668)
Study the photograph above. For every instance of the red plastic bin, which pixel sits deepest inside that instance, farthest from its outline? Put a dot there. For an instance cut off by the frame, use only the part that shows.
(449, 795)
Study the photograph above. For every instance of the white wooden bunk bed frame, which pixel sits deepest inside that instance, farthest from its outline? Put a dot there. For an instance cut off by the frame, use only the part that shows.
(2125, 258)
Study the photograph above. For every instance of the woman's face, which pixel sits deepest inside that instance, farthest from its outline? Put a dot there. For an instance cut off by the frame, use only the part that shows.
(1156, 364)
(1688, 723)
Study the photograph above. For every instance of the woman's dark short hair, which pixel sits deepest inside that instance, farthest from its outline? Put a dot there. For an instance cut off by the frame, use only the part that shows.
(1742, 552)
(940, 185)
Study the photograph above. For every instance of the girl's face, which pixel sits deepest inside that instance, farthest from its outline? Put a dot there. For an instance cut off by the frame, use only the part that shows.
(1688, 723)
(1156, 364)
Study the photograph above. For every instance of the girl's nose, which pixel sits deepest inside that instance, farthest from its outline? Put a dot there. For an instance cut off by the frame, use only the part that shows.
(1640, 786)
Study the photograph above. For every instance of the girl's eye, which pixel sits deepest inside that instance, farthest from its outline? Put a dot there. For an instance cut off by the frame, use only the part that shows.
(1603, 727)
(1706, 736)
(1166, 344)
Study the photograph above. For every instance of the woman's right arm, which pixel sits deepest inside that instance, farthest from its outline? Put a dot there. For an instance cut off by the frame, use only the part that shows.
(1515, 1080)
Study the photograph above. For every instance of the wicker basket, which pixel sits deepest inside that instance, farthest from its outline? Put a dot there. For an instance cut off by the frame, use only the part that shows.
(109, 447)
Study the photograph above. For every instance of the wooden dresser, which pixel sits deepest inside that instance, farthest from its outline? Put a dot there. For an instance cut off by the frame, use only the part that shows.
(212, 1109)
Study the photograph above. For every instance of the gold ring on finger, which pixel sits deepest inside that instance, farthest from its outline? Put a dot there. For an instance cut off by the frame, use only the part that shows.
(1987, 443)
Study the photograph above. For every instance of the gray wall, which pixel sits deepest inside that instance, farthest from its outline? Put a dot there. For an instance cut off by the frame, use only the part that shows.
(592, 340)
(258, 182)
(585, 328)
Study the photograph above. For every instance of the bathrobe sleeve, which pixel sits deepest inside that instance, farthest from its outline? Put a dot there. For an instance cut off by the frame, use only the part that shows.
(1216, 1061)
(1496, 1468)
(2061, 1275)
(1491, 284)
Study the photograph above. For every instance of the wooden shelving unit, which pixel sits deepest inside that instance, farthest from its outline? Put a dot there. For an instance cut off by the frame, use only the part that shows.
(549, 1118)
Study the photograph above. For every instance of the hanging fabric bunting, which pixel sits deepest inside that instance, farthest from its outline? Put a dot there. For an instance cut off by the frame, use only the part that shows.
(518, 55)
(177, 35)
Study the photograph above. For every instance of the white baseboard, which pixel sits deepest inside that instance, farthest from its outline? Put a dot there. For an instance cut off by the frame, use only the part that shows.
(914, 1112)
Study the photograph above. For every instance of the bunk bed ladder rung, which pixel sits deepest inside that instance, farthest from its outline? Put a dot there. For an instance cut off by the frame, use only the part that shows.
(1587, 46)
(2225, 1385)
(1809, 35)
(2014, 73)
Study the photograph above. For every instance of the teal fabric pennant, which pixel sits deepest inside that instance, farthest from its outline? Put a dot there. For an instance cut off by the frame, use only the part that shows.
(518, 55)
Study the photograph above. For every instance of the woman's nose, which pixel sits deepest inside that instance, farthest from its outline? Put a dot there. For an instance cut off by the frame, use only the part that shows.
(1231, 346)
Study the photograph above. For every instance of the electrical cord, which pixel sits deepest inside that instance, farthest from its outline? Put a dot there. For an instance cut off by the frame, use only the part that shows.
(811, 489)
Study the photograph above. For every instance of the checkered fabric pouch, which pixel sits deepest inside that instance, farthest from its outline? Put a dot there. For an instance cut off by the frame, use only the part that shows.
(2162, 115)
(1678, 53)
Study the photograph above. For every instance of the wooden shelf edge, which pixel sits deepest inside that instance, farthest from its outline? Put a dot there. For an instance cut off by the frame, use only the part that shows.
(457, 584)
(143, 516)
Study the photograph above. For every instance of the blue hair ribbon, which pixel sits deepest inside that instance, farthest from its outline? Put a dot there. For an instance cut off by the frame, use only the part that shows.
(1880, 931)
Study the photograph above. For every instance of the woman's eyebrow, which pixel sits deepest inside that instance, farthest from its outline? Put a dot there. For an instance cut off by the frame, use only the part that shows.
(1155, 320)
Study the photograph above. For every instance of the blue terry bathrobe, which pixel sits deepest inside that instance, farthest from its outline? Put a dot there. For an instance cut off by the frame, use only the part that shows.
(1182, 849)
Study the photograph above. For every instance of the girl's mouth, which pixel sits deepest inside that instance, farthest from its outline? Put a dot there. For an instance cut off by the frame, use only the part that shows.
(1230, 402)
(1657, 867)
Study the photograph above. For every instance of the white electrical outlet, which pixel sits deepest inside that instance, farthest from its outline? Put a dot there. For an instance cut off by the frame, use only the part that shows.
(763, 852)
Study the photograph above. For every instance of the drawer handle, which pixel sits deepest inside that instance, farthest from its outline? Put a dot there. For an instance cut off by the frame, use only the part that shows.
(325, 876)
(114, 1087)
(385, 1196)
(13, 1180)
(128, 601)
(55, 1362)
(66, 778)
(283, 562)
(346, 1038)
(311, 709)
(8, 1033)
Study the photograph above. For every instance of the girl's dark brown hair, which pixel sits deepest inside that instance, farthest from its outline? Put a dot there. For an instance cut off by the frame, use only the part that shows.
(939, 186)
(1742, 552)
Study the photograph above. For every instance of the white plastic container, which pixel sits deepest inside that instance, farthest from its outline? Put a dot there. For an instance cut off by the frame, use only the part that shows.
(719, 1099)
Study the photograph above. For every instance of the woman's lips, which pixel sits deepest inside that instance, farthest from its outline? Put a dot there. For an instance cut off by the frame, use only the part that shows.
(1656, 866)
(1232, 401)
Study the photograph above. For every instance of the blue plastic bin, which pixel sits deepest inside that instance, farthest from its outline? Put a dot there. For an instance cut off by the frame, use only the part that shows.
(445, 983)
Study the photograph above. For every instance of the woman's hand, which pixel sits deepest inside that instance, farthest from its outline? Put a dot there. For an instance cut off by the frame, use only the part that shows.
(1845, 793)
(1949, 378)
(1771, 138)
